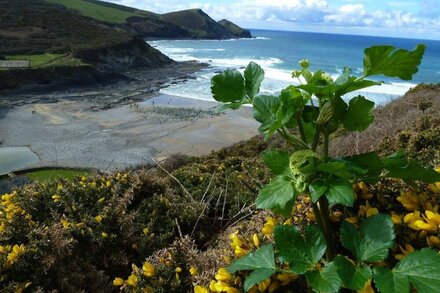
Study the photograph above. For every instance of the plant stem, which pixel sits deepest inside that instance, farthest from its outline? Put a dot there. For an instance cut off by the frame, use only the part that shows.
(326, 223)
(301, 129)
(316, 138)
(324, 210)
(325, 147)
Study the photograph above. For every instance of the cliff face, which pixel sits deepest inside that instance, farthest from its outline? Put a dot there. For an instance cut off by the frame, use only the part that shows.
(234, 29)
(153, 27)
(38, 27)
(198, 23)
(185, 24)
(130, 54)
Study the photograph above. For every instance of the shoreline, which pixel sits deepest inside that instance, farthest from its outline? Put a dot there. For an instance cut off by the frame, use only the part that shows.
(74, 133)
(137, 84)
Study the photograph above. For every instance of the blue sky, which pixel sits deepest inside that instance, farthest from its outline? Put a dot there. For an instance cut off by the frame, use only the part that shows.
(411, 18)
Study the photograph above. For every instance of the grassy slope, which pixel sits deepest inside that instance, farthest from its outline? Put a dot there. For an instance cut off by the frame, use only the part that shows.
(45, 60)
(52, 175)
(97, 11)
(47, 28)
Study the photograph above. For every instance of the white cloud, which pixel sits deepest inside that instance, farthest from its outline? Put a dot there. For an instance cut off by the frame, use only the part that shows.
(306, 13)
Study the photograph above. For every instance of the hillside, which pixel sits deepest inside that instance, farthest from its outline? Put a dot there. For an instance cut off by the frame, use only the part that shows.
(198, 23)
(235, 29)
(192, 23)
(35, 29)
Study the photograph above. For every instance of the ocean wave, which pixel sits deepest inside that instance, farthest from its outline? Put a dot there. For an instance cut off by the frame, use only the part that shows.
(275, 80)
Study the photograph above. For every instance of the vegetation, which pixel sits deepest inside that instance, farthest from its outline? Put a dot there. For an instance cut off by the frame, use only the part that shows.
(178, 226)
(53, 175)
(97, 10)
(357, 251)
(47, 28)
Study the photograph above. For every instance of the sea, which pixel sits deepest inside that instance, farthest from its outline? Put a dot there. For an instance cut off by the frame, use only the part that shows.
(278, 53)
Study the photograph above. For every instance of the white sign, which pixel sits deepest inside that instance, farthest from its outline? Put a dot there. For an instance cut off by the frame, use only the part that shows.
(15, 63)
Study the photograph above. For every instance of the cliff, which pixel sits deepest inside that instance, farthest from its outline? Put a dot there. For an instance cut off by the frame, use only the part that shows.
(234, 29)
(185, 24)
(31, 27)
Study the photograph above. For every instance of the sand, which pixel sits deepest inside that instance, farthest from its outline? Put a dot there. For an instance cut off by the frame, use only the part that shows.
(72, 133)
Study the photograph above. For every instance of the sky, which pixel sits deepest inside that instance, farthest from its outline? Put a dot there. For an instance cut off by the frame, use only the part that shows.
(407, 19)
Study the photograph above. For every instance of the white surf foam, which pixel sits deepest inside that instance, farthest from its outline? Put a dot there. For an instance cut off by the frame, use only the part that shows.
(275, 80)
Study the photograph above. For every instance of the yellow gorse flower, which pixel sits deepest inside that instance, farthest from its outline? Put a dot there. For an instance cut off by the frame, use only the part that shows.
(262, 286)
(409, 200)
(148, 269)
(13, 256)
(56, 198)
(396, 219)
(65, 223)
(118, 282)
(192, 271)
(269, 226)
(367, 210)
(405, 251)
(200, 289)
(256, 240)
(98, 218)
(411, 218)
(132, 280)
(223, 275)
(236, 245)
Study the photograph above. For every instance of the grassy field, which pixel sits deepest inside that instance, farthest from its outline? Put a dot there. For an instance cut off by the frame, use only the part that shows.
(46, 60)
(96, 11)
(51, 175)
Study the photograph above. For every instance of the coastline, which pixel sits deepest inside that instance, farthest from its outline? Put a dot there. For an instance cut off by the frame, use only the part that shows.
(82, 133)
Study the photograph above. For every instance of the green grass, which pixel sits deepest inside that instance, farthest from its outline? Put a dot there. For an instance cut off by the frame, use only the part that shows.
(96, 11)
(46, 60)
(50, 175)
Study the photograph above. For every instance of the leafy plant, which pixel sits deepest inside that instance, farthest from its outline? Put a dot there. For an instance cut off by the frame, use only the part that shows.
(305, 116)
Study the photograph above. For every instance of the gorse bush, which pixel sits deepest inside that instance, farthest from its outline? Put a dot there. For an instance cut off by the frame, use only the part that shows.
(354, 254)
(363, 222)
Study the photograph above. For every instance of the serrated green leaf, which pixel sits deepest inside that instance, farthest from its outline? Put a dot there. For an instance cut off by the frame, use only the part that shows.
(339, 108)
(317, 189)
(334, 168)
(229, 106)
(256, 277)
(399, 167)
(366, 166)
(265, 111)
(301, 253)
(276, 195)
(253, 75)
(325, 280)
(228, 87)
(389, 282)
(277, 161)
(373, 239)
(340, 192)
(359, 114)
(355, 84)
(422, 269)
(385, 60)
(352, 277)
(263, 258)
